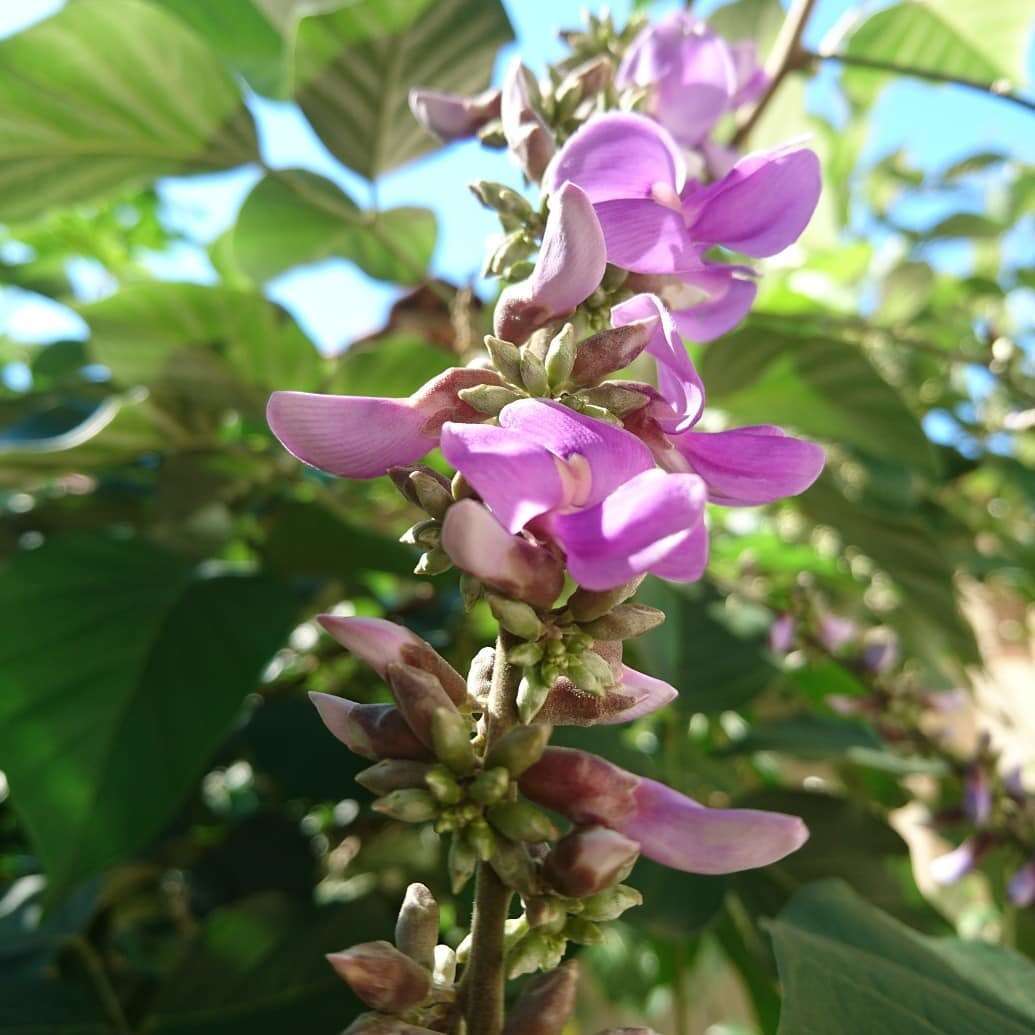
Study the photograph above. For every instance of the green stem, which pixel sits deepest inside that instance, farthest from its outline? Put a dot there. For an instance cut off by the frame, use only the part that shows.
(484, 979)
(94, 967)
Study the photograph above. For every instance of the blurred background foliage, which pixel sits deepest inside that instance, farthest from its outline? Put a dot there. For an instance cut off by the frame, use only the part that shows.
(180, 840)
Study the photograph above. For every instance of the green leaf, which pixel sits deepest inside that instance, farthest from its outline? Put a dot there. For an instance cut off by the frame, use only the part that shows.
(120, 671)
(354, 67)
(244, 37)
(847, 968)
(296, 217)
(957, 38)
(757, 20)
(149, 334)
(778, 370)
(715, 666)
(105, 95)
(396, 364)
(807, 736)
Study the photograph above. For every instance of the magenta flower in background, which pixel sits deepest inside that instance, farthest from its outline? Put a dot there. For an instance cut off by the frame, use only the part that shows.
(591, 488)
(692, 75)
(655, 220)
(1021, 887)
(451, 116)
(359, 436)
(570, 266)
(669, 827)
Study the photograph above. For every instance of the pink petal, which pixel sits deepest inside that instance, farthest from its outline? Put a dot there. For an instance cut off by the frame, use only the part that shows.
(618, 156)
(646, 237)
(752, 465)
(631, 531)
(678, 380)
(528, 136)
(451, 116)
(371, 731)
(516, 475)
(375, 641)
(636, 695)
(687, 560)
(569, 268)
(761, 206)
(612, 454)
(728, 298)
(650, 695)
(478, 544)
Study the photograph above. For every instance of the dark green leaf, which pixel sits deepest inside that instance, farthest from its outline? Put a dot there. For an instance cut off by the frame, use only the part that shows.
(807, 736)
(847, 968)
(120, 671)
(397, 365)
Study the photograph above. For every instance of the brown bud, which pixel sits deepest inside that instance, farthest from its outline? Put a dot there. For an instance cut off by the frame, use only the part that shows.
(588, 860)
(382, 1024)
(416, 930)
(382, 976)
(519, 748)
(402, 478)
(419, 695)
(611, 350)
(393, 774)
(587, 604)
(546, 1003)
(371, 731)
(479, 678)
(624, 622)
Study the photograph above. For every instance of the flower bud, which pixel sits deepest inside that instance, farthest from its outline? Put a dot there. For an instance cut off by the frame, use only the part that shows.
(392, 774)
(488, 399)
(433, 562)
(546, 1004)
(445, 965)
(610, 350)
(546, 911)
(513, 866)
(515, 617)
(432, 492)
(560, 356)
(382, 976)
(479, 678)
(506, 358)
(443, 785)
(382, 1024)
(598, 667)
(518, 748)
(371, 731)
(525, 654)
(408, 806)
(489, 786)
(480, 837)
(419, 695)
(450, 116)
(451, 740)
(513, 248)
(587, 604)
(624, 622)
(461, 863)
(426, 534)
(528, 137)
(522, 821)
(470, 591)
(619, 400)
(610, 904)
(536, 951)
(404, 482)
(592, 76)
(481, 546)
(589, 860)
(504, 200)
(585, 678)
(533, 374)
(416, 930)
(582, 931)
(532, 693)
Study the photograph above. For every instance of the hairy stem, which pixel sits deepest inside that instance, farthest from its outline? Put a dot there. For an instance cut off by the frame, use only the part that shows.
(786, 56)
(484, 979)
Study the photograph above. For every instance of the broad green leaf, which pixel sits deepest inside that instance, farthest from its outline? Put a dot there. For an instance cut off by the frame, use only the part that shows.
(393, 365)
(715, 667)
(777, 370)
(120, 671)
(105, 95)
(757, 20)
(807, 736)
(957, 38)
(202, 339)
(964, 224)
(295, 217)
(242, 35)
(354, 67)
(848, 968)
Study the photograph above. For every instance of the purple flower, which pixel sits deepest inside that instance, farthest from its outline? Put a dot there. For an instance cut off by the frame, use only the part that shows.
(587, 486)
(359, 436)
(568, 270)
(1021, 888)
(742, 466)
(636, 694)
(478, 544)
(782, 633)
(977, 795)
(371, 731)
(669, 827)
(451, 116)
(693, 75)
(835, 632)
(656, 221)
(955, 865)
(528, 136)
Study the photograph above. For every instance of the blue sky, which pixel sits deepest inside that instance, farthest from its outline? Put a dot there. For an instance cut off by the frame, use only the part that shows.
(336, 304)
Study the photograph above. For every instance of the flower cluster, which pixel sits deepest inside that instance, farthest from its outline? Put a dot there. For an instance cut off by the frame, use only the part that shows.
(564, 469)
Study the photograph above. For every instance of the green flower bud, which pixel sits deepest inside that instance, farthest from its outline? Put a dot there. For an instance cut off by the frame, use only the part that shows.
(451, 741)
(587, 604)
(501, 199)
(522, 821)
(519, 748)
(431, 491)
(525, 654)
(583, 931)
(506, 358)
(614, 278)
(480, 837)
(488, 399)
(434, 562)
(624, 622)
(531, 694)
(460, 487)
(416, 930)
(408, 806)
(616, 399)
(547, 912)
(560, 356)
(443, 786)
(515, 617)
(461, 863)
(470, 590)
(536, 951)
(519, 271)
(492, 135)
(598, 666)
(533, 374)
(402, 478)
(514, 248)
(490, 785)
(584, 677)
(392, 775)
(513, 866)
(610, 904)
(427, 534)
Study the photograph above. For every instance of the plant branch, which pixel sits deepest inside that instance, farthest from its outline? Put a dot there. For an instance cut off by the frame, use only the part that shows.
(786, 56)
(484, 979)
(94, 967)
(929, 75)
